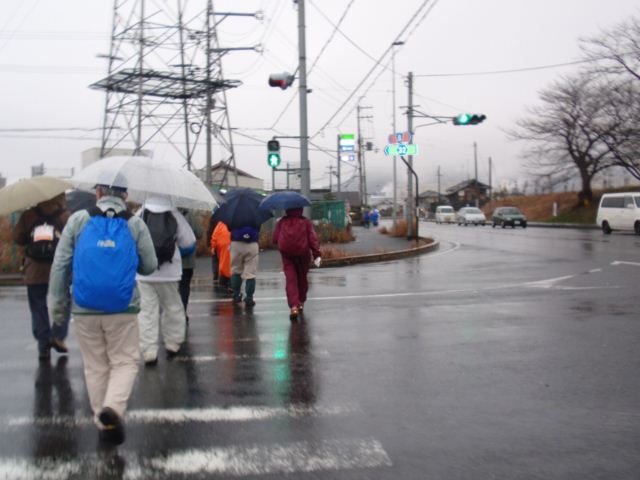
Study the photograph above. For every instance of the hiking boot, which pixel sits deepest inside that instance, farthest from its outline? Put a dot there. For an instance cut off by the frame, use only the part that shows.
(113, 431)
(293, 315)
(172, 349)
(250, 289)
(58, 345)
(150, 358)
(237, 299)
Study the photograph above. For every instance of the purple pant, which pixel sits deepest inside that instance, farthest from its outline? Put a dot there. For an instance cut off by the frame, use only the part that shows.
(295, 271)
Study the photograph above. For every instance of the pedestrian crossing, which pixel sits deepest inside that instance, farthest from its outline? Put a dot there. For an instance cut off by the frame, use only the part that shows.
(290, 430)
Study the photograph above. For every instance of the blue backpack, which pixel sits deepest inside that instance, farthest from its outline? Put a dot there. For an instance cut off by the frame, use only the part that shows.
(105, 262)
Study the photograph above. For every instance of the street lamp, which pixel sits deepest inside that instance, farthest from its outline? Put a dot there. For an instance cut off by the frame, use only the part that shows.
(393, 83)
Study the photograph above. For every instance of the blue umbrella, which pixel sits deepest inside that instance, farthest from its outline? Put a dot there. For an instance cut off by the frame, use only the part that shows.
(241, 209)
(284, 201)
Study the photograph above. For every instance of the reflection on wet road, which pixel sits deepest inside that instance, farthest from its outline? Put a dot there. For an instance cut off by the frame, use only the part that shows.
(507, 354)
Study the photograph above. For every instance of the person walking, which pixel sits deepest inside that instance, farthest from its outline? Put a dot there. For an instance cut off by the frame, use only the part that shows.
(161, 309)
(365, 218)
(189, 260)
(39, 230)
(244, 263)
(297, 241)
(220, 244)
(375, 216)
(101, 249)
(215, 263)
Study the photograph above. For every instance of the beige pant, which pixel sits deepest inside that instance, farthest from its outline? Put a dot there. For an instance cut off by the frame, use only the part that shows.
(109, 348)
(161, 311)
(244, 259)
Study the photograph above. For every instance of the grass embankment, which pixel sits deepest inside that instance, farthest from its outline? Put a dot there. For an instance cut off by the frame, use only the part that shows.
(539, 208)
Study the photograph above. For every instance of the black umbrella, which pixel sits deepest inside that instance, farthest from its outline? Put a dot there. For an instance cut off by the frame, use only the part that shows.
(242, 209)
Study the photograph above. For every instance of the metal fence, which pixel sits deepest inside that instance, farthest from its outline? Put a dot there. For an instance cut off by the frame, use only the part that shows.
(332, 211)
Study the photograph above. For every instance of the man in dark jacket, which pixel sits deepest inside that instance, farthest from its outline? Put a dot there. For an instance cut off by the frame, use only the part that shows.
(46, 221)
(297, 241)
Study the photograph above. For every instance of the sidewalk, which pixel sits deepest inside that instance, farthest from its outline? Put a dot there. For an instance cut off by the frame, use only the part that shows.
(368, 241)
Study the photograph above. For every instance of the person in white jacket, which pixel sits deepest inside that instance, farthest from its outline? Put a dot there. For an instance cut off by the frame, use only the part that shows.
(161, 309)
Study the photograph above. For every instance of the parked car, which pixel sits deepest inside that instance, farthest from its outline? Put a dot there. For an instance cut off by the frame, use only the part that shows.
(619, 211)
(445, 214)
(471, 215)
(511, 216)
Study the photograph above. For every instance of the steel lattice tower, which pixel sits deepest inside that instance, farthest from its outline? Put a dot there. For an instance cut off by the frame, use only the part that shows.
(165, 81)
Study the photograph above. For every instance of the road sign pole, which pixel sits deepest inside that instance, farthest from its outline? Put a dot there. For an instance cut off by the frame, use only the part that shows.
(338, 164)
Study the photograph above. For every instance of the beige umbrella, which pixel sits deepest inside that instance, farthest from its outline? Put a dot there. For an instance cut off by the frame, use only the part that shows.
(29, 192)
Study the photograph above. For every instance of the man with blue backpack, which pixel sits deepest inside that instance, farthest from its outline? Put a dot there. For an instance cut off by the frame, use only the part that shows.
(100, 251)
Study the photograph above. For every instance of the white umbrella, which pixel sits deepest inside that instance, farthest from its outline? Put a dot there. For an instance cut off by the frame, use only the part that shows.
(144, 177)
(29, 192)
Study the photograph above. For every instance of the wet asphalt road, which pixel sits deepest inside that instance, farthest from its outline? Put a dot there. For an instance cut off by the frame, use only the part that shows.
(507, 354)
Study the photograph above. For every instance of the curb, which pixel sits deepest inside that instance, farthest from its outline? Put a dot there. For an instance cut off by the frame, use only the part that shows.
(381, 257)
(579, 226)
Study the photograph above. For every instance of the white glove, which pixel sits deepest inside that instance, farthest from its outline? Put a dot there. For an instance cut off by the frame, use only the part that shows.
(317, 262)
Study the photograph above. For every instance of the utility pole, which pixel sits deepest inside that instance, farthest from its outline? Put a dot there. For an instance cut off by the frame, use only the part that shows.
(288, 175)
(395, 159)
(305, 172)
(475, 174)
(338, 165)
(331, 178)
(361, 158)
(439, 175)
(490, 186)
(410, 208)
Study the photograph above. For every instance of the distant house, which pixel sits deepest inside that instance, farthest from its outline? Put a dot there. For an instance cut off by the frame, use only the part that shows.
(429, 200)
(467, 192)
(224, 175)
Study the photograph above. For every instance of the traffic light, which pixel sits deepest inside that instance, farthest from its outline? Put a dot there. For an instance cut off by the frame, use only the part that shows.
(469, 119)
(282, 80)
(273, 153)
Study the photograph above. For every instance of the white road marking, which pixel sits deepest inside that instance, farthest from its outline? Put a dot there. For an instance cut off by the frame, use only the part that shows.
(595, 270)
(548, 283)
(276, 458)
(230, 461)
(621, 262)
(179, 415)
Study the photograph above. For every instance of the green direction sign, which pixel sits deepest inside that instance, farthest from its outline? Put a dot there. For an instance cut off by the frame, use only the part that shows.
(400, 149)
(273, 159)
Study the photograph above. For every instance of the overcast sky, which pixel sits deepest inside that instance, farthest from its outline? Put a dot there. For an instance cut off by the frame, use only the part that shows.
(48, 58)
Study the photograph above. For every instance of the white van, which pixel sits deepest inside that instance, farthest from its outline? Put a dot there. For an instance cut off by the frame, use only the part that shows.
(619, 211)
(445, 214)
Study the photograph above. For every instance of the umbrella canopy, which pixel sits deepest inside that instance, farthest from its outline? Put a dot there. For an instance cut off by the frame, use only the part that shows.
(144, 177)
(242, 209)
(29, 192)
(284, 201)
(79, 200)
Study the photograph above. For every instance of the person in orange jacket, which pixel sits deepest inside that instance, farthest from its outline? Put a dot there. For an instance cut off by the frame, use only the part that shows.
(220, 243)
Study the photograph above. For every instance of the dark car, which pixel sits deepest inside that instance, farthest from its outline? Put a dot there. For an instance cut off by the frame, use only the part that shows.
(504, 216)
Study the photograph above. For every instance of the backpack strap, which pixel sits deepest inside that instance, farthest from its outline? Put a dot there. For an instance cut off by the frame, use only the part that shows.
(96, 211)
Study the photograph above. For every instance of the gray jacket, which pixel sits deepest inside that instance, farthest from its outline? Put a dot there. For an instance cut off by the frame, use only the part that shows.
(58, 296)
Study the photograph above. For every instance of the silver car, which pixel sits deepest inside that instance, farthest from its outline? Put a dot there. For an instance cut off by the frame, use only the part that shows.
(471, 215)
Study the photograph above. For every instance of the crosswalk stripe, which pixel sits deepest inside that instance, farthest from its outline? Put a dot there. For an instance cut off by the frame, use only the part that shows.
(234, 460)
(215, 358)
(179, 415)
(277, 458)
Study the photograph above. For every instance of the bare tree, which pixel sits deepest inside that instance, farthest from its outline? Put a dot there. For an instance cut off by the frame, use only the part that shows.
(560, 136)
(616, 56)
(616, 51)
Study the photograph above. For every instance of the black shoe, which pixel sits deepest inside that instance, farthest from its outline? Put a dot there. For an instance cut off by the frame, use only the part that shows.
(237, 299)
(113, 432)
(249, 302)
(58, 345)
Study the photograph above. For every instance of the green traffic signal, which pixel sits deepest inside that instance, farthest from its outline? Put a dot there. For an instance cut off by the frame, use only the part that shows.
(468, 119)
(273, 159)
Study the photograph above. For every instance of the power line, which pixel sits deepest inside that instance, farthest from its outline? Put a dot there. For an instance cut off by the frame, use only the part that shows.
(368, 74)
(293, 97)
(512, 70)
